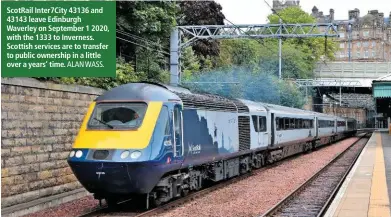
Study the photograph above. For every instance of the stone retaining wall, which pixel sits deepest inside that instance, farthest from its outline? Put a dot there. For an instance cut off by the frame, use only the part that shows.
(39, 123)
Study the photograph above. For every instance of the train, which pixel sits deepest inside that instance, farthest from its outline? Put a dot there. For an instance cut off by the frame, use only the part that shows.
(156, 142)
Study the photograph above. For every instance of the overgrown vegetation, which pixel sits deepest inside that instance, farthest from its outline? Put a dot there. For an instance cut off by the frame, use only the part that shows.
(252, 64)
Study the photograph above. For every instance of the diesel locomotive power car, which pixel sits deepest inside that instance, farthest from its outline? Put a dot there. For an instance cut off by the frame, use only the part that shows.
(159, 142)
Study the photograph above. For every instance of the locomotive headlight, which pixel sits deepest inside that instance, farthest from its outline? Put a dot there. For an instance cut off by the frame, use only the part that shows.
(72, 154)
(125, 154)
(79, 154)
(135, 154)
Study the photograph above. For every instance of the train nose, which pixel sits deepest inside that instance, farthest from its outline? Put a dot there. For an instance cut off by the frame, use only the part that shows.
(116, 177)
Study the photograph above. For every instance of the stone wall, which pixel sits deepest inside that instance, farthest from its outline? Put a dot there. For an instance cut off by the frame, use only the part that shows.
(39, 123)
(357, 113)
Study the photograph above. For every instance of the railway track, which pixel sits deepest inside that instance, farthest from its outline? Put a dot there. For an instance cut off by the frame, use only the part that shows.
(127, 210)
(314, 196)
(175, 203)
(131, 211)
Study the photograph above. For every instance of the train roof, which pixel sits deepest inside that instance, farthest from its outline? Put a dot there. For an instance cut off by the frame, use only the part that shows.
(151, 91)
(145, 91)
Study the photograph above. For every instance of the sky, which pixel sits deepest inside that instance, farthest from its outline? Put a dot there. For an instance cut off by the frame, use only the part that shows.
(256, 11)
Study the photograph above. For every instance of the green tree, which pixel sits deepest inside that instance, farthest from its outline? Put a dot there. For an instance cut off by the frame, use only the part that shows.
(315, 46)
(202, 13)
(246, 83)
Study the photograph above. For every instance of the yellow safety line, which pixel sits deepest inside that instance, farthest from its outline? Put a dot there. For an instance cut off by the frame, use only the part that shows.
(379, 205)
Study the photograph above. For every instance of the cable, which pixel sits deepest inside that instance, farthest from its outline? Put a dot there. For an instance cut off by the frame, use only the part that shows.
(257, 39)
(143, 46)
(139, 38)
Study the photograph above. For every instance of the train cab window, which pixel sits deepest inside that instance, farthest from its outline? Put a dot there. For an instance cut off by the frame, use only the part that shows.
(178, 131)
(117, 115)
(167, 130)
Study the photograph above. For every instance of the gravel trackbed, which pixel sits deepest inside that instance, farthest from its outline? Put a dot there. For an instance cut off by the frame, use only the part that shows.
(249, 197)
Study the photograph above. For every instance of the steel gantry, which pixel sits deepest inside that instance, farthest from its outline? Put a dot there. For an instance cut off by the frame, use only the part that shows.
(262, 31)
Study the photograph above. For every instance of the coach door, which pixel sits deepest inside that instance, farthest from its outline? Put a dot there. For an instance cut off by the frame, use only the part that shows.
(178, 131)
(263, 135)
(316, 127)
(272, 129)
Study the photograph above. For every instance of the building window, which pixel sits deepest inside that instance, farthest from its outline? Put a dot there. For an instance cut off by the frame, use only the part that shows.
(358, 44)
(373, 53)
(358, 54)
(374, 44)
(366, 54)
(365, 44)
(342, 55)
(342, 45)
(342, 35)
(366, 33)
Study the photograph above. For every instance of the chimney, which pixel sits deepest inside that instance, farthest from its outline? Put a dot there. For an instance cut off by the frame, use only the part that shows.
(315, 10)
(354, 14)
(331, 15)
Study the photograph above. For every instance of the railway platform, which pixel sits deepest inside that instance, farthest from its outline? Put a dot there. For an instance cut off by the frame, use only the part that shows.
(366, 191)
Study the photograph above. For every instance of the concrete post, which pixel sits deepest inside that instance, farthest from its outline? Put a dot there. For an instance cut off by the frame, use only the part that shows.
(280, 53)
(174, 57)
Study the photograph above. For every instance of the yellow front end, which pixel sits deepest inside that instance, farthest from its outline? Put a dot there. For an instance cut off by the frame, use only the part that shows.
(118, 138)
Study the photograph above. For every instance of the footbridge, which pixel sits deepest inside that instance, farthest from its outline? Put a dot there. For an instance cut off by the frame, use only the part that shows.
(359, 74)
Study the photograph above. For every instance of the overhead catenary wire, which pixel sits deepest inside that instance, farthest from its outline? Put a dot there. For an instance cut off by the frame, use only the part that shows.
(261, 41)
(140, 39)
(298, 35)
(144, 46)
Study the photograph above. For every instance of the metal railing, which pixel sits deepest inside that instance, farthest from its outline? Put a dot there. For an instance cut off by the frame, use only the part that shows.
(370, 70)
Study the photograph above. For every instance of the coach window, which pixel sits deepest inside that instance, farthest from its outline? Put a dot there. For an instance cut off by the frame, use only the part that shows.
(320, 124)
(278, 124)
(281, 123)
(262, 124)
(286, 123)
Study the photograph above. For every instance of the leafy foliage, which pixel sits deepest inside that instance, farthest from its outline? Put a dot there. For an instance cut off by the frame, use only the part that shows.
(317, 47)
(252, 64)
(125, 73)
(241, 82)
(202, 13)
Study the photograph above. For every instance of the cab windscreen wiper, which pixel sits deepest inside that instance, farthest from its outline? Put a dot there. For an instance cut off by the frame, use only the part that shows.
(111, 126)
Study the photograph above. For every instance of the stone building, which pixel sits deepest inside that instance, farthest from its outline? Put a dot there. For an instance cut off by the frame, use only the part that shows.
(368, 37)
(279, 5)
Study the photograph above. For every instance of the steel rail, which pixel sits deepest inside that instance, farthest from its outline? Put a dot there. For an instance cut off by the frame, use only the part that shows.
(291, 195)
(102, 211)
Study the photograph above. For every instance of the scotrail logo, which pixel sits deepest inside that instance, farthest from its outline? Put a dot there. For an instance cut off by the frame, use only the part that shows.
(195, 149)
